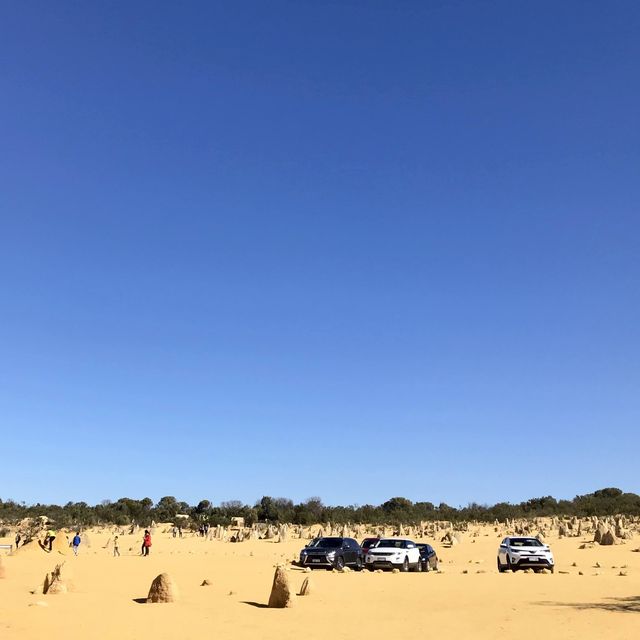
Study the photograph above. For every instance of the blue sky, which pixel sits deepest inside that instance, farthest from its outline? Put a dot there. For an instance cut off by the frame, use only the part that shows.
(348, 249)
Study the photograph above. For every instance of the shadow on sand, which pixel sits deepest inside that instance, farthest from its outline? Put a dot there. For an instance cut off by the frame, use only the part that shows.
(619, 605)
(259, 605)
(140, 600)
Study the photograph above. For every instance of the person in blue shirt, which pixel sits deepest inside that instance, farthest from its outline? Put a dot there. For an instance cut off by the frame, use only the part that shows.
(76, 543)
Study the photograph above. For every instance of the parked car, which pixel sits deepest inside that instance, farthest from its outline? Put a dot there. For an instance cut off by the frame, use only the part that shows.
(428, 557)
(332, 553)
(524, 553)
(394, 553)
(367, 543)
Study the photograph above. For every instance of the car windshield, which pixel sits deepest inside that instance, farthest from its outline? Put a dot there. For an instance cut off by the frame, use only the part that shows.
(328, 543)
(396, 544)
(369, 543)
(525, 542)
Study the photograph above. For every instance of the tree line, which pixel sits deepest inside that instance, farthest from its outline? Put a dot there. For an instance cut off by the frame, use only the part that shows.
(125, 511)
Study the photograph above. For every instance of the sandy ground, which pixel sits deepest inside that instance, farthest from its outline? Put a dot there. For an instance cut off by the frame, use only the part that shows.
(480, 603)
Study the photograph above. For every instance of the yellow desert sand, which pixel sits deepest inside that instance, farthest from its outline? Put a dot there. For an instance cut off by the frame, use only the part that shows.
(467, 599)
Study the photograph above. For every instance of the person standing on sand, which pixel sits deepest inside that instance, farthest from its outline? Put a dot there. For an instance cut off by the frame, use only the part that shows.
(116, 550)
(18, 538)
(76, 543)
(146, 543)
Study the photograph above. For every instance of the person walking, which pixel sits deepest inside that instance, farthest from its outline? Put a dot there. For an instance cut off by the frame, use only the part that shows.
(116, 549)
(18, 539)
(146, 543)
(76, 543)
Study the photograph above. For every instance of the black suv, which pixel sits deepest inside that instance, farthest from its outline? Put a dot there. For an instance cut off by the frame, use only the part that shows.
(330, 553)
(428, 557)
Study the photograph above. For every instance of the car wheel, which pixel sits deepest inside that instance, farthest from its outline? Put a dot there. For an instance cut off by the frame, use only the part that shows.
(419, 567)
(510, 567)
(405, 565)
(339, 563)
(551, 569)
(500, 567)
(359, 566)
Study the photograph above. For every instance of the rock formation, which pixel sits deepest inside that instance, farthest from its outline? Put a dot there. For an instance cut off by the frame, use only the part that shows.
(306, 587)
(163, 589)
(281, 596)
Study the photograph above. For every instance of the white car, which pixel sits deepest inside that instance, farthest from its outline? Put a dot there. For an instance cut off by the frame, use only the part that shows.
(524, 553)
(394, 553)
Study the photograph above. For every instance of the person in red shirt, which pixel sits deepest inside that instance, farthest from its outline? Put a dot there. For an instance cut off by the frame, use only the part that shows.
(146, 543)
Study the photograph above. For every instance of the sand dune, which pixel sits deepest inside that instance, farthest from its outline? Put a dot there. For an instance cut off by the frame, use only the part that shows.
(468, 598)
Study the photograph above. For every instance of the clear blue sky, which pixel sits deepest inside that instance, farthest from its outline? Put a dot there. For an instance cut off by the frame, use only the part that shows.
(351, 249)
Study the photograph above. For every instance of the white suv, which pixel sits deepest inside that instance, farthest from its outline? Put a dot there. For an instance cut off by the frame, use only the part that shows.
(394, 553)
(524, 553)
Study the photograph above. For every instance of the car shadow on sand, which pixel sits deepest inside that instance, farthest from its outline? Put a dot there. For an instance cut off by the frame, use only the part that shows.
(630, 604)
(140, 600)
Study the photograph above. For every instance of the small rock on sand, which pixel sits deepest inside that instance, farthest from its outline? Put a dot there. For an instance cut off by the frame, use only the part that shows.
(56, 581)
(57, 586)
(306, 587)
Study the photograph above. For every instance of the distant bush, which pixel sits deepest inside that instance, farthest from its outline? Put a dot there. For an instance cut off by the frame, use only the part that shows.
(126, 511)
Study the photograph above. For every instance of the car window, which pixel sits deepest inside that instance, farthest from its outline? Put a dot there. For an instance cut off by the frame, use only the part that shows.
(329, 543)
(525, 542)
(394, 544)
